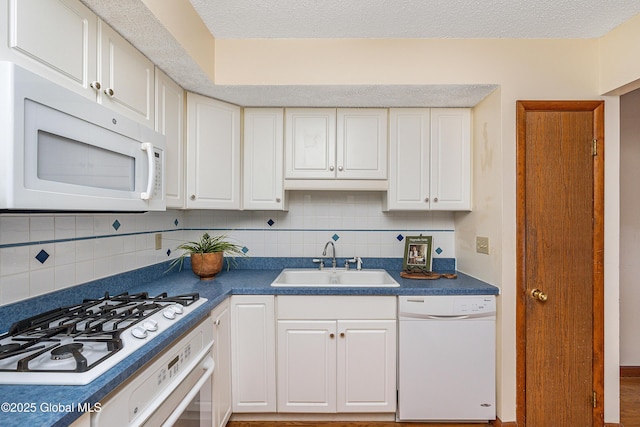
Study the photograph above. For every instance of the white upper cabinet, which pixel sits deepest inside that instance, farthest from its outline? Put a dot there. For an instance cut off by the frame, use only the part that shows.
(170, 122)
(310, 143)
(361, 143)
(408, 158)
(56, 39)
(450, 159)
(65, 42)
(126, 77)
(329, 149)
(213, 154)
(263, 184)
(429, 159)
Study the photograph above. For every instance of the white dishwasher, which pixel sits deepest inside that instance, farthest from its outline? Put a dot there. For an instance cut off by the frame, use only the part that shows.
(446, 358)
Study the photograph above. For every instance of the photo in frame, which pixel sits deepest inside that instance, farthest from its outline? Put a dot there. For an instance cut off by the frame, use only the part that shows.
(417, 253)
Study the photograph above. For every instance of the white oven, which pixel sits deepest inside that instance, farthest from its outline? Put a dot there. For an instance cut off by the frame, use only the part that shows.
(64, 152)
(174, 389)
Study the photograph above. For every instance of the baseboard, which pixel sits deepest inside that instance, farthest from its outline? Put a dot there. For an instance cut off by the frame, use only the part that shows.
(612, 425)
(499, 423)
(630, 371)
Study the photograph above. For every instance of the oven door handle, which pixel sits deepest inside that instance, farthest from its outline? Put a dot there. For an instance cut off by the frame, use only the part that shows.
(208, 366)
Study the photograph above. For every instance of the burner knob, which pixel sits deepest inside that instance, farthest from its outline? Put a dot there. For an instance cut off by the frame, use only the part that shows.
(150, 325)
(139, 332)
(177, 309)
(169, 313)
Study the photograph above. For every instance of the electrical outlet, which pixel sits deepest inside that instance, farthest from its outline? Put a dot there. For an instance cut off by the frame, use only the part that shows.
(158, 241)
(482, 245)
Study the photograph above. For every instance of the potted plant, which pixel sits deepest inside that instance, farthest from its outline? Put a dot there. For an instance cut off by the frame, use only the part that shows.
(207, 255)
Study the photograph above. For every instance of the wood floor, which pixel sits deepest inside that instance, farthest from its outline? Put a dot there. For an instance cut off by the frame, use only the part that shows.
(630, 401)
(629, 414)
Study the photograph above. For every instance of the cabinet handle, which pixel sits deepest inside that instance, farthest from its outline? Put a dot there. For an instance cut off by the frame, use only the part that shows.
(435, 200)
(340, 168)
(331, 335)
(332, 168)
(193, 197)
(95, 85)
(341, 334)
(109, 92)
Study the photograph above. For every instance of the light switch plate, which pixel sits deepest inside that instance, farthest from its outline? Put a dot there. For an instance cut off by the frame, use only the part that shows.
(482, 245)
(158, 241)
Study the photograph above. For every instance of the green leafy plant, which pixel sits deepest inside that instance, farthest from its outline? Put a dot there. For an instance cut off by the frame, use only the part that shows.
(208, 245)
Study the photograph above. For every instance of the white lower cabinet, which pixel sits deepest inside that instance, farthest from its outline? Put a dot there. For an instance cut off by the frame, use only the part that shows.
(253, 353)
(221, 387)
(336, 354)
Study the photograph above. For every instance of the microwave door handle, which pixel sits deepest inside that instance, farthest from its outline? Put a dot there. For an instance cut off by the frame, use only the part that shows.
(151, 179)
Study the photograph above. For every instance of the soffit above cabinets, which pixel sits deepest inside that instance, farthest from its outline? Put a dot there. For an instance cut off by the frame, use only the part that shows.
(495, 19)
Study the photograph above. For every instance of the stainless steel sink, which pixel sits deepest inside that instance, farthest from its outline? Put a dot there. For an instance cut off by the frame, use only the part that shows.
(306, 277)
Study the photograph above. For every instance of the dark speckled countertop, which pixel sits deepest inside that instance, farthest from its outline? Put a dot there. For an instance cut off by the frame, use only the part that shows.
(251, 278)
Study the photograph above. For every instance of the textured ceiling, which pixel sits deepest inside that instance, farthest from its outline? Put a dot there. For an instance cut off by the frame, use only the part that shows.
(240, 19)
(358, 19)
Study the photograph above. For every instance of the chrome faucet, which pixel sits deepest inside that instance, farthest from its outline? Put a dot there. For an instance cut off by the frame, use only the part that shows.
(324, 253)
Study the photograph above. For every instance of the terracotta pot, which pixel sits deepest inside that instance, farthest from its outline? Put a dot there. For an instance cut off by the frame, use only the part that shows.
(207, 265)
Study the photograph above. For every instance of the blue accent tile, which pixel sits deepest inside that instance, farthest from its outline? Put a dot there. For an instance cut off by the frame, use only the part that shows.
(176, 222)
(116, 224)
(438, 251)
(400, 237)
(42, 256)
(271, 222)
(245, 249)
(168, 252)
(335, 237)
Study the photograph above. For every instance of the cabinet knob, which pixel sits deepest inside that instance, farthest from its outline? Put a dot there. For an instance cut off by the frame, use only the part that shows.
(193, 197)
(95, 85)
(331, 335)
(109, 92)
(216, 322)
(426, 200)
(435, 200)
(278, 199)
(340, 168)
(341, 334)
(332, 168)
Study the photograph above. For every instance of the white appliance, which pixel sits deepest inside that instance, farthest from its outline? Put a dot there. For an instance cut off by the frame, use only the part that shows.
(174, 390)
(446, 358)
(60, 151)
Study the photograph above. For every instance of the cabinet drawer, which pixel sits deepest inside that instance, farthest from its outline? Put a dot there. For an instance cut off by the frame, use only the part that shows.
(335, 307)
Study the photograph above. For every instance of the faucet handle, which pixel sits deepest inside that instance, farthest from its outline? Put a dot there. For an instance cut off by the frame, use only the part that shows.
(355, 260)
(319, 261)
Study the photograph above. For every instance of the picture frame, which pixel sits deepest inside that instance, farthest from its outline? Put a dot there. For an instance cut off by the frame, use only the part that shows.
(417, 253)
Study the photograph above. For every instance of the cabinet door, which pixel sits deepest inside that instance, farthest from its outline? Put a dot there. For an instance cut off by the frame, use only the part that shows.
(170, 122)
(450, 159)
(253, 353)
(54, 38)
(361, 143)
(310, 143)
(221, 393)
(408, 159)
(127, 77)
(366, 366)
(213, 154)
(263, 159)
(306, 366)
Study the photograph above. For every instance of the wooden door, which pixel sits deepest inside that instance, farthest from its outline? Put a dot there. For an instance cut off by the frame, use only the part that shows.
(560, 253)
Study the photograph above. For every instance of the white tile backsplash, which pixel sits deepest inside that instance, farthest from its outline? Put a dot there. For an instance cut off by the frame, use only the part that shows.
(85, 247)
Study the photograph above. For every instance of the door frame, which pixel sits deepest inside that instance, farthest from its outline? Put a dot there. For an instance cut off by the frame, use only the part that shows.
(597, 107)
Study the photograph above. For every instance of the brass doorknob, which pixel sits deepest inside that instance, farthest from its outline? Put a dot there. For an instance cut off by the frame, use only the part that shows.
(538, 294)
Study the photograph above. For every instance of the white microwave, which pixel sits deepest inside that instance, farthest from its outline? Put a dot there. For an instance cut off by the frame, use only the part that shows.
(60, 151)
